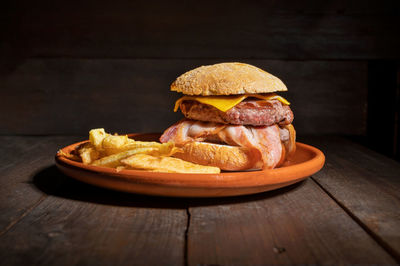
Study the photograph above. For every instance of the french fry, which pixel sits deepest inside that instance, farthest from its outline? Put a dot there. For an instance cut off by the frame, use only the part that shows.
(166, 164)
(121, 152)
(112, 141)
(88, 153)
(96, 137)
(114, 160)
(114, 144)
(70, 156)
(165, 149)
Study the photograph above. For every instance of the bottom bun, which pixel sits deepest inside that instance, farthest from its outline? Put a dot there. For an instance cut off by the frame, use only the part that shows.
(230, 158)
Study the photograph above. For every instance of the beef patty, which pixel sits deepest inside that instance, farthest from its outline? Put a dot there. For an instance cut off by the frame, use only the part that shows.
(248, 112)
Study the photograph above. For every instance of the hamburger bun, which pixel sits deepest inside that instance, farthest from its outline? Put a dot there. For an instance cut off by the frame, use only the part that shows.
(227, 129)
(233, 158)
(227, 79)
(230, 158)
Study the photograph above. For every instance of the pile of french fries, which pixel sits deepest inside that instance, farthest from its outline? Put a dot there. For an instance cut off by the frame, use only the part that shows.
(121, 152)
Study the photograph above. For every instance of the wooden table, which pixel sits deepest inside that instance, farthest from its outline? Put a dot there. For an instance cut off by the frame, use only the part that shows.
(347, 213)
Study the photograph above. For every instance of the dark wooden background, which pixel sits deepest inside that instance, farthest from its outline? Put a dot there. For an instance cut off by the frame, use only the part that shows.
(70, 66)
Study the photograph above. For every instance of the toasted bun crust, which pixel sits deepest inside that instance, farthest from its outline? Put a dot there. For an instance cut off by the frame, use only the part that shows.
(231, 158)
(227, 79)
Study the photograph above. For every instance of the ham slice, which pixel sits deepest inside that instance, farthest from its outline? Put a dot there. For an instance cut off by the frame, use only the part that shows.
(265, 140)
(270, 145)
(189, 130)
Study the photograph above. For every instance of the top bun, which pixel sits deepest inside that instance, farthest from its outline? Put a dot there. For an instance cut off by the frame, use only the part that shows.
(227, 79)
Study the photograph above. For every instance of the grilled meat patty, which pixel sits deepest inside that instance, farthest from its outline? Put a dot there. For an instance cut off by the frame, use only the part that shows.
(249, 112)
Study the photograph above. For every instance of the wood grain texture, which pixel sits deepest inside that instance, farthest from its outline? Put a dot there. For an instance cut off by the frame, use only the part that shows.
(67, 232)
(20, 159)
(49, 219)
(249, 29)
(367, 184)
(71, 96)
(56, 220)
(299, 225)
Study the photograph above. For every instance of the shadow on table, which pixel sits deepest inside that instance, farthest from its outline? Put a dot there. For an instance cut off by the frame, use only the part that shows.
(53, 182)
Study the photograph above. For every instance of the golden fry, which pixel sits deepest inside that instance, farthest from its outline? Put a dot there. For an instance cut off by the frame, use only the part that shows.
(96, 137)
(88, 153)
(166, 164)
(70, 156)
(108, 150)
(114, 160)
(112, 146)
(167, 149)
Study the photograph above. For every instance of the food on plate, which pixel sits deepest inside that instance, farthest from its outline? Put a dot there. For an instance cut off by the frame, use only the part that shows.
(96, 137)
(114, 159)
(70, 156)
(234, 118)
(88, 153)
(167, 164)
(122, 152)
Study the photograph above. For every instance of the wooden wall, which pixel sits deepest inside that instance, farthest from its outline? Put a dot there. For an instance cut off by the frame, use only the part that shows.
(71, 66)
(331, 29)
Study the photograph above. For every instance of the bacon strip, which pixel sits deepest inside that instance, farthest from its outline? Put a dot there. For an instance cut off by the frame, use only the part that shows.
(290, 142)
(189, 130)
(266, 141)
(270, 144)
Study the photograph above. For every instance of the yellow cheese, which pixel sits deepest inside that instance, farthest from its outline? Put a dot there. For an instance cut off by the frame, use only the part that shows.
(224, 103)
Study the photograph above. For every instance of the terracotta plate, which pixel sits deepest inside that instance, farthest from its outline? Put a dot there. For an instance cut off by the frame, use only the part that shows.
(307, 161)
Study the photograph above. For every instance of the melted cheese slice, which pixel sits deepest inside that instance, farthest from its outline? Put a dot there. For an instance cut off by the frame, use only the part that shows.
(224, 103)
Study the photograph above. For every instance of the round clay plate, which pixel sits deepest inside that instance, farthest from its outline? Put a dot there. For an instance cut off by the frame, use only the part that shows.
(306, 161)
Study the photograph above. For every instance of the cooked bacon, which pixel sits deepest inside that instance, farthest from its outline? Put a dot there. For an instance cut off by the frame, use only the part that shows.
(270, 144)
(266, 140)
(201, 130)
(290, 142)
(284, 132)
(190, 130)
(173, 133)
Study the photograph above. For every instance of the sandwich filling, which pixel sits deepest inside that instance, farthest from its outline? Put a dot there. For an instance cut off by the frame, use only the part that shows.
(251, 111)
(233, 106)
(268, 143)
(226, 102)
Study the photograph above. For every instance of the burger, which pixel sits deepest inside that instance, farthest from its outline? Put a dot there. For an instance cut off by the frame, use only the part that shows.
(234, 119)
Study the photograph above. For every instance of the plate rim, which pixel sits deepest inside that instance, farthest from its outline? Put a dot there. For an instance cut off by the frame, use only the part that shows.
(240, 179)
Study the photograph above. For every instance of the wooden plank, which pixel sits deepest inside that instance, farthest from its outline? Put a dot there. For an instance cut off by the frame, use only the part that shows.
(271, 30)
(20, 159)
(337, 7)
(63, 231)
(81, 224)
(47, 218)
(296, 225)
(71, 96)
(20, 153)
(365, 183)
